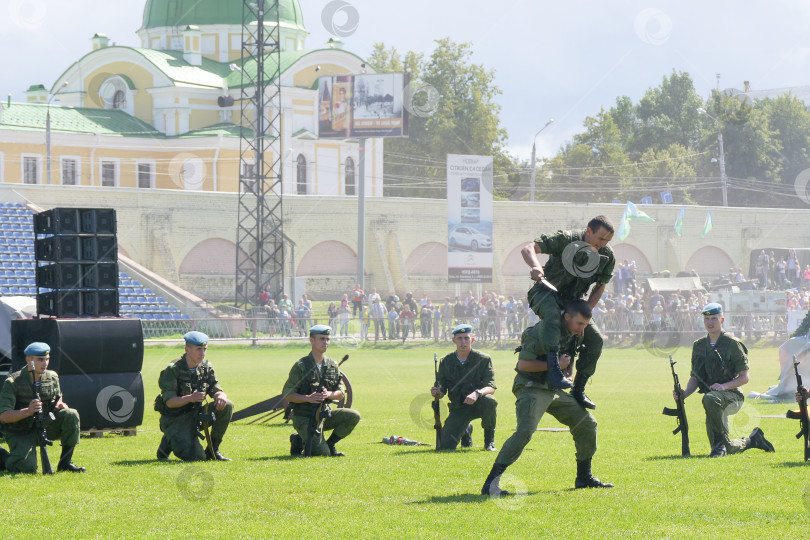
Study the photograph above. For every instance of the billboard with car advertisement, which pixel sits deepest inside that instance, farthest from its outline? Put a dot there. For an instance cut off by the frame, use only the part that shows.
(469, 219)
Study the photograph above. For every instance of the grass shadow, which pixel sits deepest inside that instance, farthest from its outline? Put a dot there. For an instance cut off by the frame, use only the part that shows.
(672, 457)
(792, 464)
(132, 462)
(477, 497)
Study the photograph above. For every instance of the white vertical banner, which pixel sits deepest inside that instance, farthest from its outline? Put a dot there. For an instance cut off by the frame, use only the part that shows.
(469, 219)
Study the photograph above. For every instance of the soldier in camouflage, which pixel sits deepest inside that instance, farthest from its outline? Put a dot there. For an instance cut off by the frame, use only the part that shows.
(719, 368)
(467, 377)
(184, 385)
(535, 396)
(570, 271)
(18, 409)
(314, 381)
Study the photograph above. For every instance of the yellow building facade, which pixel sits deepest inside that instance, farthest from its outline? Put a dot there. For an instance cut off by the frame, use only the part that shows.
(149, 118)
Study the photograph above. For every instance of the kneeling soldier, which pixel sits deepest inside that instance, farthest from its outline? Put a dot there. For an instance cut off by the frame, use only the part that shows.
(468, 379)
(314, 382)
(719, 368)
(184, 385)
(18, 408)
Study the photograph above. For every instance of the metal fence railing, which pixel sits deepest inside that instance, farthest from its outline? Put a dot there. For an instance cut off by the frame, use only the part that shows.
(616, 327)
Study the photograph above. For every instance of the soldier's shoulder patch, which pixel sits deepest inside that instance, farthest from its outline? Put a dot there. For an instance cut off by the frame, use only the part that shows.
(484, 356)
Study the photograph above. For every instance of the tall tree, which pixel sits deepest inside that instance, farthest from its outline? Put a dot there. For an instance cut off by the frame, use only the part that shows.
(456, 114)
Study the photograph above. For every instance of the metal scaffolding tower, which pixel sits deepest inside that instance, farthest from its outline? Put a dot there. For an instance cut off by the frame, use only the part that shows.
(260, 235)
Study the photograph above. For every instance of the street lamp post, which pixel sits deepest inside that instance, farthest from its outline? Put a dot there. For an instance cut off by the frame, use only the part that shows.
(723, 180)
(534, 153)
(48, 129)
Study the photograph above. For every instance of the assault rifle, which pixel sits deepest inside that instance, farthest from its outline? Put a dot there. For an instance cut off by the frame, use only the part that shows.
(679, 412)
(39, 429)
(204, 419)
(437, 415)
(318, 415)
(805, 422)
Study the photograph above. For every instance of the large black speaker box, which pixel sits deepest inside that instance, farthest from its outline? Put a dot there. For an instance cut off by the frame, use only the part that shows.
(77, 303)
(105, 400)
(76, 248)
(78, 276)
(81, 346)
(75, 221)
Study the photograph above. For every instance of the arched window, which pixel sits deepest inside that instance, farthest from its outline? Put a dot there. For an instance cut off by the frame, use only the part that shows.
(119, 100)
(350, 181)
(301, 175)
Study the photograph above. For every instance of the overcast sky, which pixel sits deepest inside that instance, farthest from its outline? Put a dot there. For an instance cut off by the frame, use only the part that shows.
(561, 60)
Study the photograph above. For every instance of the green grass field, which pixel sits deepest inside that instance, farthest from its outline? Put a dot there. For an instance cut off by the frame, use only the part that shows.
(379, 491)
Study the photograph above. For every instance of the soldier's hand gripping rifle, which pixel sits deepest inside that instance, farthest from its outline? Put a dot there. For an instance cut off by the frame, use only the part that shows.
(679, 412)
(318, 415)
(437, 416)
(39, 429)
(805, 422)
(203, 419)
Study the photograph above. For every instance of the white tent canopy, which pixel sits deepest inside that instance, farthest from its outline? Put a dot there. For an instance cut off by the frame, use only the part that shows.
(11, 308)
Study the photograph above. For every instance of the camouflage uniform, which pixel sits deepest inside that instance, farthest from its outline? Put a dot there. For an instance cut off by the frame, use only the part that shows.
(708, 369)
(460, 379)
(548, 305)
(534, 398)
(305, 378)
(179, 424)
(16, 394)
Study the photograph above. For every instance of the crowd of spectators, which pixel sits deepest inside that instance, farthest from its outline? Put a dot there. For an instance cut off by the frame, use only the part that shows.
(628, 310)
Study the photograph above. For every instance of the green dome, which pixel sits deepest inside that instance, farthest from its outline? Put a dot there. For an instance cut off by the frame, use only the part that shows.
(181, 13)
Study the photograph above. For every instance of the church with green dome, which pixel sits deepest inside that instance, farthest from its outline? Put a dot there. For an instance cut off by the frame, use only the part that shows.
(148, 116)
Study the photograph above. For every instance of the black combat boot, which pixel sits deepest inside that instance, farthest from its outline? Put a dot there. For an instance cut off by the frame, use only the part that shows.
(3, 457)
(296, 445)
(491, 487)
(757, 440)
(718, 450)
(578, 392)
(164, 449)
(466, 437)
(215, 454)
(556, 379)
(65, 463)
(331, 442)
(585, 479)
(489, 440)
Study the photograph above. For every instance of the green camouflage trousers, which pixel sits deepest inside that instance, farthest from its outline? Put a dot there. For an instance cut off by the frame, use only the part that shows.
(342, 421)
(23, 445)
(182, 431)
(532, 402)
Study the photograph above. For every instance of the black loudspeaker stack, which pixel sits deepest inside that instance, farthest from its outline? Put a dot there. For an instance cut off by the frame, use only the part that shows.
(98, 362)
(76, 252)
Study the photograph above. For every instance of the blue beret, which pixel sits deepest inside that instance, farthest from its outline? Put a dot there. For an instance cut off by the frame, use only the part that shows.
(462, 329)
(320, 329)
(37, 348)
(196, 338)
(712, 309)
